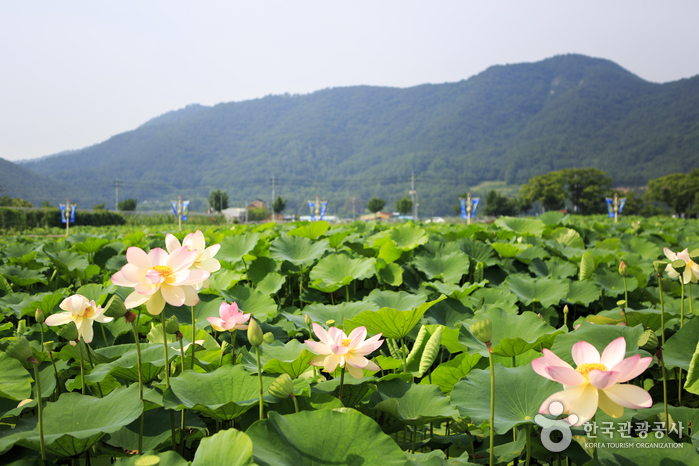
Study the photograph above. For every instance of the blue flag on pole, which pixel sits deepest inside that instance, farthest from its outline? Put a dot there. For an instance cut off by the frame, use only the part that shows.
(312, 206)
(185, 209)
(610, 207)
(174, 209)
(462, 203)
(64, 215)
(474, 206)
(475, 200)
(323, 205)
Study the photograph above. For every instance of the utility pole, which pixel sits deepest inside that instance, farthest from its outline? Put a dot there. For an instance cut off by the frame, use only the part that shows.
(246, 211)
(353, 214)
(413, 195)
(116, 185)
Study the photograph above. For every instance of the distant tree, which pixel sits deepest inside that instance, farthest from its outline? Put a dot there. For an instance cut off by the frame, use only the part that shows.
(218, 200)
(546, 189)
(257, 213)
(17, 202)
(127, 204)
(375, 205)
(497, 204)
(47, 204)
(279, 205)
(99, 207)
(404, 205)
(586, 188)
(679, 191)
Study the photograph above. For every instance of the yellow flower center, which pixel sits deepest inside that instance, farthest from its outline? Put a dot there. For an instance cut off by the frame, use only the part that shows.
(346, 342)
(585, 369)
(89, 312)
(165, 272)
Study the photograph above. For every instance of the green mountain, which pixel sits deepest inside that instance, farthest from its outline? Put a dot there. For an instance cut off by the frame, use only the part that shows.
(507, 123)
(17, 181)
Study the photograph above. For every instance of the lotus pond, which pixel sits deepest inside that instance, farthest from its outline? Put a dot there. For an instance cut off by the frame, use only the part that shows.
(361, 344)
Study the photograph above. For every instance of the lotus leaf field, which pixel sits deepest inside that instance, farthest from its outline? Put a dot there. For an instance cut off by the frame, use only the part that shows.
(450, 318)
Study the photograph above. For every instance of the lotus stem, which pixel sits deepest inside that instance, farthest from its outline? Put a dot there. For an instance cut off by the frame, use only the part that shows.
(40, 409)
(194, 336)
(342, 381)
(347, 293)
(296, 403)
(82, 367)
(681, 302)
(662, 311)
(235, 335)
(166, 361)
(492, 402)
(689, 290)
(104, 335)
(55, 372)
(659, 355)
(259, 378)
(134, 326)
(92, 366)
(528, 427)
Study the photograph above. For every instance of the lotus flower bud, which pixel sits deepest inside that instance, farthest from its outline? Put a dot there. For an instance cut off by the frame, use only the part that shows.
(22, 327)
(48, 345)
(623, 269)
(565, 310)
(224, 346)
(39, 316)
(172, 325)
(69, 331)
(255, 336)
(21, 350)
(648, 341)
(659, 266)
(115, 308)
(307, 319)
(679, 265)
(268, 338)
(482, 330)
(282, 387)
(694, 255)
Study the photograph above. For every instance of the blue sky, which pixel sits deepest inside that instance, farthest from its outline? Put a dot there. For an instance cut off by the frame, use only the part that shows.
(75, 73)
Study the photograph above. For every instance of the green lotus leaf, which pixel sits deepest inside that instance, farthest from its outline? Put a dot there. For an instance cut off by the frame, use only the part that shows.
(235, 247)
(598, 336)
(587, 266)
(389, 252)
(641, 246)
(336, 239)
(312, 230)
(224, 279)
(260, 305)
(93, 291)
(260, 268)
(448, 373)
(407, 237)
(508, 250)
(299, 251)
(519, 393)
(478, 251)
(322, 437)
(156, 430)
(512, 334)
(678, 349)
(321, 313)
(582, 292)
(450, 313)
(692, 382)
(554, 268)
(223, 394)
(19, 253)
(66, 260)
(91, 245)
(389, 273)
(76, 422)
(456, 291)
(392, 323)
(354, 390)
(21, 276)
(567, 237)
(15, 383)
(4, 285)
(270, 284)
(277, 358)
(532, 253)
(522, 226)
(547, 291)
(500, 297)
(395, 299)
(109, 251)
(126, 366)
(448, 268)
(337, 270)
(230, 447)
(411, 404)
(552, 217)
(611, 283)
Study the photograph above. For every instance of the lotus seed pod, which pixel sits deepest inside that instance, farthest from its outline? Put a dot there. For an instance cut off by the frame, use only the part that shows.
(621, 303)
(20, 350)
(679, 265)
(330, 322)
(39, 316)
(129, 316)
(648, 341)
(623, 269)
(483, 330)
(694, 255)
(255, 336)
(282, 387)
(659, 266)
(172, 325)
(69, 331)
(268, 338)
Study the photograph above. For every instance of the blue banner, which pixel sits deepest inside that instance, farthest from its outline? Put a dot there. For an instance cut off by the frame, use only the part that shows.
(323, 205)
(622, 201)
(64, 215)
(312, 206)
(462, 202)
(474, 206)
(185, 209)
(475, 200)
(610, 207)
(174, 209)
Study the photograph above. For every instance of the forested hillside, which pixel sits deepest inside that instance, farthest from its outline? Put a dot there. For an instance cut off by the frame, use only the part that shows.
(507, 123)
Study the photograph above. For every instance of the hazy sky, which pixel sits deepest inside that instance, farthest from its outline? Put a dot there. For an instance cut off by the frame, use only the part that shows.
(74, 73)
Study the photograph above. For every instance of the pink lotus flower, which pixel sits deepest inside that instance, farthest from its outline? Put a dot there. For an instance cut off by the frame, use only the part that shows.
(82, 312)
(159, 277)
(205, 256)
(337, 349)
(691, 272)
(231, 318)
(595, 381)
